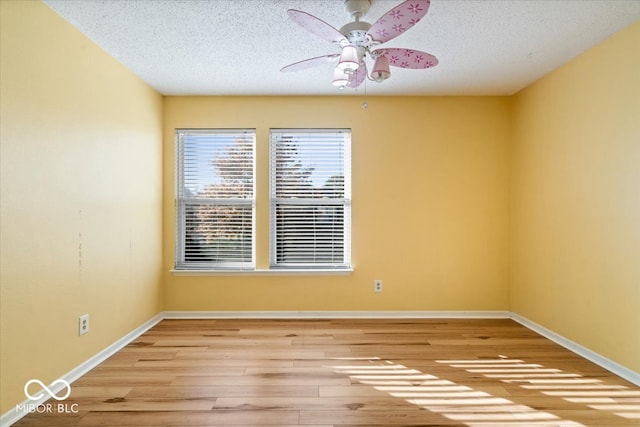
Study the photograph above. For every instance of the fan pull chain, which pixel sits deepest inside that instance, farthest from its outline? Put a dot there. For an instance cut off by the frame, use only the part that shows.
(365, 104)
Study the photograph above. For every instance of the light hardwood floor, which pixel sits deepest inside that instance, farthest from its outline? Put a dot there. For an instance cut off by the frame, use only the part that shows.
(346, 373)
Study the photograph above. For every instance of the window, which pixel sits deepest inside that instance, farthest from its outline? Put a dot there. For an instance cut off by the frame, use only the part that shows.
(215, 206)
(310, 198)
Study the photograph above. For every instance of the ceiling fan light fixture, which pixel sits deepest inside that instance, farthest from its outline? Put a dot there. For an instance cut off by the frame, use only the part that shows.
(340, 78)
(349, 61)
(381, 70)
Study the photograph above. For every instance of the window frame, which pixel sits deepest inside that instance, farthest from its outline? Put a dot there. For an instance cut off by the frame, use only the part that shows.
(345, 202)
(182, 202)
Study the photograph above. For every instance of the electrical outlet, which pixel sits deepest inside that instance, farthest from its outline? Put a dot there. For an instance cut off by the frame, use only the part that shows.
(377, 285)
(83, 324)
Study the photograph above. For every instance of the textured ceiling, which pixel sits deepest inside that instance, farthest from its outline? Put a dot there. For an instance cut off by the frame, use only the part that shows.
(237, 47)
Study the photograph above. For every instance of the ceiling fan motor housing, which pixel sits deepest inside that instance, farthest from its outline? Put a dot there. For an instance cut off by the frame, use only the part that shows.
(356, 32)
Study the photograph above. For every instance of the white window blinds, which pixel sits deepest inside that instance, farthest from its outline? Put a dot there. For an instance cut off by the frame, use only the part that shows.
(215, 199)
(311, 198)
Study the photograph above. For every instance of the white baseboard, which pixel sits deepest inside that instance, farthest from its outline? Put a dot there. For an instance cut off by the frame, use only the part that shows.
(14, 415)
(336, 314)
(608, 364)
(82, 369)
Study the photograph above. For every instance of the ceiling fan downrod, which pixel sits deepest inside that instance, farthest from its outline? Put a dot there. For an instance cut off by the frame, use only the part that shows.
(357, 8)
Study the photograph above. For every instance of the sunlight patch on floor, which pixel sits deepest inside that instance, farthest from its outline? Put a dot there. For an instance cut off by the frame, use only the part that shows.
(457, 402)
(593, 393)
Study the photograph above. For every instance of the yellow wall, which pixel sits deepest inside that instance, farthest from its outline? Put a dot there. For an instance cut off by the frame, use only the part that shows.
(527, 203)
(576, 200)
(81, 198)
(430, 204)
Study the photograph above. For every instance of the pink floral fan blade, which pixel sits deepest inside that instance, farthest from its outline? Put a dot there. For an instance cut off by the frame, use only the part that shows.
(356, 79)
(310, 63)
(407, 58)
(398, 20)
(316, 26)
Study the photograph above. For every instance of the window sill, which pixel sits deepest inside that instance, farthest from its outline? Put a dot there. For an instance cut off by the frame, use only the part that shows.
(266, 272)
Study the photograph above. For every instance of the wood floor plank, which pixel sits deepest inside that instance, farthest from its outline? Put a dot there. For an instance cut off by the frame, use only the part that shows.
(261, 354)
(208, 370)
(146, 404)
(275, 380)
(121, 381)
(79, 392)
(346, 372)
(315, 403)
(232, 391)
(194, 362)
(191, 418)
(368, 418)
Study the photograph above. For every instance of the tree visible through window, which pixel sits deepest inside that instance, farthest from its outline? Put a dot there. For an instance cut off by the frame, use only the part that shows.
(215, 199)
(216, 205)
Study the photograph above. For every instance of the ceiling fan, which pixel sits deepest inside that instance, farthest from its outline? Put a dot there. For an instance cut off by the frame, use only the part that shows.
(359, 40)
